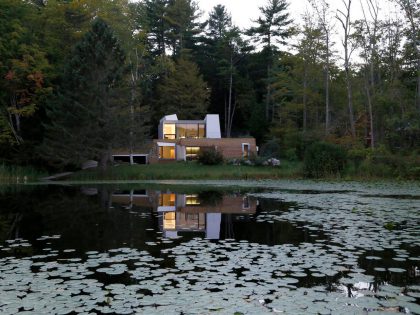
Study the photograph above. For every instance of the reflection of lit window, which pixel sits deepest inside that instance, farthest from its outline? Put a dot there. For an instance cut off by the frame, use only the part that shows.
(167, 153)
(191, 153)
(169, 220)
(167, 200)
(169, 131)
(245, 202)
(192, 200)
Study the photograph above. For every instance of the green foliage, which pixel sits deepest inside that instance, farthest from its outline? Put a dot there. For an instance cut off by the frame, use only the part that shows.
(324, 159)
(85, 118)
(18, 174)
(183, 92)
(210, 156)
(270, 149)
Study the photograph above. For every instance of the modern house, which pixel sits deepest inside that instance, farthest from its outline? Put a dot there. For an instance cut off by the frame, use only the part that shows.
(181, 140)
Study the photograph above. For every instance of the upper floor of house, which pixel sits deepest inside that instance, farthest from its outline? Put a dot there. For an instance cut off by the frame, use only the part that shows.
(171, 128)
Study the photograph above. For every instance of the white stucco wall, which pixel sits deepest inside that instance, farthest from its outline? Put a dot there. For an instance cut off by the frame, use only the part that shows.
(213, 126)
(213, 221)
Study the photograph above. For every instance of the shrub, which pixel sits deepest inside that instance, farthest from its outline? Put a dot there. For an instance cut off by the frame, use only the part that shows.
(324, 159)
(210, 157)
(270, 149)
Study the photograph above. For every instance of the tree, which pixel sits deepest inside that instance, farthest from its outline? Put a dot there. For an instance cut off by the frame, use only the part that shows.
(181, 17)
(323, 12)
(411, 9)
(183, 92)
(309, 49)
(85, 118)
(272, 28)
(344, 17)
(367, 38)
(23, 66)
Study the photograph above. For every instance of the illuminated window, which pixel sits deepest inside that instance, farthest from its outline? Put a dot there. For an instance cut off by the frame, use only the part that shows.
(193, 131)
(191, 153)
(169, 220)
(167, 153)
(192, 200)
(167, 200)
(169, 131)
(201, 131)
(245, 150)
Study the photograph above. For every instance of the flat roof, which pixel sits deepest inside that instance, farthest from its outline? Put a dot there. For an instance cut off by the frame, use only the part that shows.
(184, 122)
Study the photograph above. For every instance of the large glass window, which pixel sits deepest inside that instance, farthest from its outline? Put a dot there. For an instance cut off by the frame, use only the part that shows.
(167, 200)
(169, 131)
(191, 153)
(167, 153)
(190, 131)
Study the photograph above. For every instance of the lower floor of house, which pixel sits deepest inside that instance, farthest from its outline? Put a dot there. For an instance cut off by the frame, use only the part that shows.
(188, 149)
(169, 150)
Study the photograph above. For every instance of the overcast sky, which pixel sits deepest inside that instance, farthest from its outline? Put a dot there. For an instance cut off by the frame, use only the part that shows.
(244, 11)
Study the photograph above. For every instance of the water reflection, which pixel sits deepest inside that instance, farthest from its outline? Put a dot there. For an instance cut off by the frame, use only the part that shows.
(195, 212)
(128, 250)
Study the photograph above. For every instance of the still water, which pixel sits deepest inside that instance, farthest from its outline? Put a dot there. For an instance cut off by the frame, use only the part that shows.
(223, 248)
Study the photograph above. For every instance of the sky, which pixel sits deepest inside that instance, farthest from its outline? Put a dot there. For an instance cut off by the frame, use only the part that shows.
(244, 11)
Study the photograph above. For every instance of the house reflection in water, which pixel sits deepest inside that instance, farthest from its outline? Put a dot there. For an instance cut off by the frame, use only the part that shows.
(179, 213)
(199, 212)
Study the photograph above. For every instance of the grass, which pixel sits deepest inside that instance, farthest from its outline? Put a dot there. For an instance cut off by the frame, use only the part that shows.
(190, 170)
(18, 174)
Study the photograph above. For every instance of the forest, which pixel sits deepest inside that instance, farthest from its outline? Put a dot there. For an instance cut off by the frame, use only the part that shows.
(80, 77)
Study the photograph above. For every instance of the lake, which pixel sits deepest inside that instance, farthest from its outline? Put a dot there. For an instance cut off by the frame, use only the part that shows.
(210, 247)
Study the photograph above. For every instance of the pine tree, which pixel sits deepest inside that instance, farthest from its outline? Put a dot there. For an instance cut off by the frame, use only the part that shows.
(272, 27)
(86, 118)
(183, 92)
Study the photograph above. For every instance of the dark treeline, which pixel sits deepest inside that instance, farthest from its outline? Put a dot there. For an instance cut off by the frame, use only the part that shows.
(78, 78)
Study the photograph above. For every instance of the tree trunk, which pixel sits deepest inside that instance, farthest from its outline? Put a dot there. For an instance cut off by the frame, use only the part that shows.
(229, 125)
(305, 87)
(327, 88)
(104, 160)
(370, 111)
(268, 95)
(350, 103)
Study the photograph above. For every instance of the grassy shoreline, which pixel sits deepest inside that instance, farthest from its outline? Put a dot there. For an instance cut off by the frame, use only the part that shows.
(18, 174)
(10, 175)
(190, 170)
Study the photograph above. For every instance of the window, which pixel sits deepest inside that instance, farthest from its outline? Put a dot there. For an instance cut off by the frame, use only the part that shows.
(167, 200)
(190, 131)
(245, 150)
(169, 131)
(245, 203)
(191, 200)
(167, 153)
(191, 153)
(169, 220)
(201, 130)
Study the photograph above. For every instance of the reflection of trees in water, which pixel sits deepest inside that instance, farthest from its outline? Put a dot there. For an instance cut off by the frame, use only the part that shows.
(85, 222)
(211, 197)
(228, 226)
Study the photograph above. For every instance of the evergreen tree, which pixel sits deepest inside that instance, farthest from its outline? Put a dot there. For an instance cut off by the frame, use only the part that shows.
(183, 92)
(86, 119)
(272, 28)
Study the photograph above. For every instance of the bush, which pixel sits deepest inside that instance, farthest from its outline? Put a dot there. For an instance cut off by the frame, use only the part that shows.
(270, 149)
(324, 159)
(210, 157)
